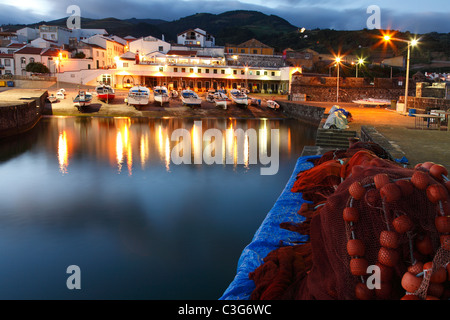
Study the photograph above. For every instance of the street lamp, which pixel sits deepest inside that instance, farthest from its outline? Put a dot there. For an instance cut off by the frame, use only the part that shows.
(411, 43)
(57, 61)
(360, 62)
(338, 61)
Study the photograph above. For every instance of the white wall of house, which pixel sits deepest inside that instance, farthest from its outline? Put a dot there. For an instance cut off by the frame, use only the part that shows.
(41, 43)
(148, 45)
(55, 33)
(113, 48)
(86, 77)
(27, 34)
(21, 61)
(197, 37)
(6, 65)
(69, 65)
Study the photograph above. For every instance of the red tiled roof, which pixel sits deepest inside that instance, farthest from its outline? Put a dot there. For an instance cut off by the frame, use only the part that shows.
(51, 52)
(6, 55)
(16, 45)
(29, 50)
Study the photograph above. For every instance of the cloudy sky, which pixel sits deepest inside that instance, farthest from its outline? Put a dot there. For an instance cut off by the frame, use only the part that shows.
(417, 16)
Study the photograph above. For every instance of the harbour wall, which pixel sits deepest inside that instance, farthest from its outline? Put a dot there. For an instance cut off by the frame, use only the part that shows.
(346, 94)
(20, 111)
(309, 114)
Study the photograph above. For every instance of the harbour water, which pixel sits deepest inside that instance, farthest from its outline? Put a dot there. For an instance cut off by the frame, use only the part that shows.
(104, 194)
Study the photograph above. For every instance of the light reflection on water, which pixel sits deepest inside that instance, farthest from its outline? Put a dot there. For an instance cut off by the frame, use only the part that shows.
(104, 194)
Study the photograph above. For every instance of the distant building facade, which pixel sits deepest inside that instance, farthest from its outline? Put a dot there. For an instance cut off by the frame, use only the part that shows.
(251, 46)
(196, 37)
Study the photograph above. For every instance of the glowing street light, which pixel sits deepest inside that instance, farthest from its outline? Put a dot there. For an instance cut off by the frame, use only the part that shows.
(411, 43)
(360, 62)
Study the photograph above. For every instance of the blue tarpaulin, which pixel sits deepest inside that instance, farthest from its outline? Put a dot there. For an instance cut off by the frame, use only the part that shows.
(267, 238)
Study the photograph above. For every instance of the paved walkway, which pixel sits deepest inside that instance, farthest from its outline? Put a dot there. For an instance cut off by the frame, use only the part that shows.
(418, 145)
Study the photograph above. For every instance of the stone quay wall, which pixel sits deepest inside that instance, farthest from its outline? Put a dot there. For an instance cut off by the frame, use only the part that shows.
(309, 114)
(21, 114)
(348, 94)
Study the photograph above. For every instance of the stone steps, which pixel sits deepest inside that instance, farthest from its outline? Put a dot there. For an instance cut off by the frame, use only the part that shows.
(335, 139)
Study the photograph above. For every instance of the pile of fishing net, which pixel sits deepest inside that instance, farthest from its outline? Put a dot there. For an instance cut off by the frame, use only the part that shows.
(377, 230)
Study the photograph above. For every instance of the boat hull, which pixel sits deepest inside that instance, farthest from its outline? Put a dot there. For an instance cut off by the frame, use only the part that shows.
(161, 99)
(191, 102)
(82, 101)
(240, 101)
(221, 103)
(138, 101)
(104, 97)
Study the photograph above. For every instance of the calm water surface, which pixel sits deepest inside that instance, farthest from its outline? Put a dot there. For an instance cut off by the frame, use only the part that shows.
(103, 194)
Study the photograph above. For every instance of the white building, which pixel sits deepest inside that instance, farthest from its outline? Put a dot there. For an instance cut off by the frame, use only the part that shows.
(12, 47)
(43, 43)
(82, 34)
(27, 34)
(113, 48)
(146, 45)
(54, 33)
(6, 63)
(46, 56)
(196, 37)
(94, 52)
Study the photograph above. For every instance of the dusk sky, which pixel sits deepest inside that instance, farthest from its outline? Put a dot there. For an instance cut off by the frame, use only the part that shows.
(417, 16)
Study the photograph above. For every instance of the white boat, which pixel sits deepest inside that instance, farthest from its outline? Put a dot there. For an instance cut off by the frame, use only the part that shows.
(160, 94)
(105, 93)
(138, 96)
(189, 97)
(272, 104)
(239, 97)
(83, 99)
(61, 94)
(52, 98)
(373, 102)
(221, 100)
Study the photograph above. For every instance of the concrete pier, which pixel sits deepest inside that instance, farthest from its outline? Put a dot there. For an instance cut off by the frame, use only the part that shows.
(20, 110)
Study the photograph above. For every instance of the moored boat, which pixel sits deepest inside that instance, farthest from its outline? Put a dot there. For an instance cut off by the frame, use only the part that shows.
(272, 104)
(105, 93)
(239, 97)
(221, 100)
(160, 94)
(52, 98)
(191, 98)
(83, 99)
(138, 96)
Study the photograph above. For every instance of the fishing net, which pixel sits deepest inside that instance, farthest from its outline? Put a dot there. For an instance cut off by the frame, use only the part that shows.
(376, 230)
